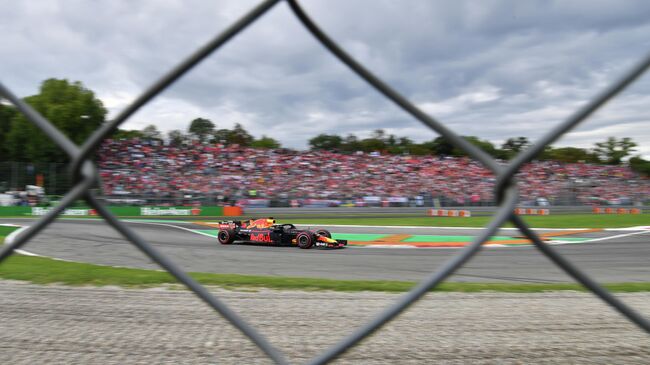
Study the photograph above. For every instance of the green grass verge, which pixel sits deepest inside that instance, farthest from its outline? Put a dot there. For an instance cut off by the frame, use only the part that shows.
(41, 270)
(550, 221)
(5, 230)
(565, 220)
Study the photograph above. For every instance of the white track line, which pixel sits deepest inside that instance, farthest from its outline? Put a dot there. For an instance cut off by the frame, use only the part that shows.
(617, 236)
(471, 228)
(10, 238)
(179, 227)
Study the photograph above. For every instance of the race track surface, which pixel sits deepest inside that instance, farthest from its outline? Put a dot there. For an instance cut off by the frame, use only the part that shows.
(620, 259)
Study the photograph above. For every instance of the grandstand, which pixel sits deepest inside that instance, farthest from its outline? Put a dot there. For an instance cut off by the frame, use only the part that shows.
(140, 170)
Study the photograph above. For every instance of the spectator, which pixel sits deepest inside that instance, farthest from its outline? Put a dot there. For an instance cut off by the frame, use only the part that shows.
(140, 167)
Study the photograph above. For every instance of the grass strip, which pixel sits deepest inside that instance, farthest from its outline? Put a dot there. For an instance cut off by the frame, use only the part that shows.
(41, 270)
(550, 221)
(559, 220)
(5, 230)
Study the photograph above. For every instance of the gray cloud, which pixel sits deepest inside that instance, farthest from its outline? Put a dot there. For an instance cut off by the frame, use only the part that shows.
(494, 69)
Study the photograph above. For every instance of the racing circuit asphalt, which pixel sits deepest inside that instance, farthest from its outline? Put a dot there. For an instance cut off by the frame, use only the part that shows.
(621, 259)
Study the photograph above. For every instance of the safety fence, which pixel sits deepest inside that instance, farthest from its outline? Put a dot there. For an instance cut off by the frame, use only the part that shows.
(145, 211)
(85, 178)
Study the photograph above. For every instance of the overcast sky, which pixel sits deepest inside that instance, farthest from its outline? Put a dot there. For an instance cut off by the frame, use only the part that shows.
(492, 69)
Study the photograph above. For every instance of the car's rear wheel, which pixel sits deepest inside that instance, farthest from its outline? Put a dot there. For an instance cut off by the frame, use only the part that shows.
(324, 232)
(304, 240)
(226, 236)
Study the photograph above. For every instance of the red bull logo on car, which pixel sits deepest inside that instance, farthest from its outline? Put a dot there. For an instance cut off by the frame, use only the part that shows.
(261, 237)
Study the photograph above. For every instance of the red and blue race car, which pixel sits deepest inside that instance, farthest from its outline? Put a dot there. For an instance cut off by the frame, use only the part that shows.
(266, 231)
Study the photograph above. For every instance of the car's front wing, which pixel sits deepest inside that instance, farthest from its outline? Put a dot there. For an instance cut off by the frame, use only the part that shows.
(336, 244)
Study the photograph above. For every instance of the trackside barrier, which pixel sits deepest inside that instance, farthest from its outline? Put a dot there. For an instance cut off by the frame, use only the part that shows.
(85, 179)
(449, 213)
(153, 211)
(531, 211)
(599, 210)
(233, 211)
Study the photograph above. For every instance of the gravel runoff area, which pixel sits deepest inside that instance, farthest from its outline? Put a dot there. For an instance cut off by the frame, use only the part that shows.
(72, 325)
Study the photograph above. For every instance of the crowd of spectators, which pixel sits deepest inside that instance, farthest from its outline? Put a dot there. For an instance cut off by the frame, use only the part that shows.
(153, 169)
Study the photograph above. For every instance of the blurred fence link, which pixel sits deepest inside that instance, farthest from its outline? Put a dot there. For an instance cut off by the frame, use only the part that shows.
(85, 178)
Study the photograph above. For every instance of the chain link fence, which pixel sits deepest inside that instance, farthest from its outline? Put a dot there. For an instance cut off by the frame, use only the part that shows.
(85, 179)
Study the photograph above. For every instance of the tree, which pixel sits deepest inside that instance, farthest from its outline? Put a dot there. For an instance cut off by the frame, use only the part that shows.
(240, 136)
(7, 113)
(401, 145)
(404, 142)
(70, 107)
(440, 146)
(486, 146)
(151, 132)
(546, 154)
(640, 165)
(513, 146)
(221, 136)
(326, 142)
(176, 137)
(612, 151)
(351, 143)
(373, 144)
(391, 141)
(265, 142)
(127, 134)
(421, 149)
(570, 154)
(376, 142)
(201, 128)
(379, 134)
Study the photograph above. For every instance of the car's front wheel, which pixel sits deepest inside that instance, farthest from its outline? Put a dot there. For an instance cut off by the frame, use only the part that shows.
(304, 240)
(226, 236)
(324, 232)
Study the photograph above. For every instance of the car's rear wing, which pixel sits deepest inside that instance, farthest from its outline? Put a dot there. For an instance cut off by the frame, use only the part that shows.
(229, 224)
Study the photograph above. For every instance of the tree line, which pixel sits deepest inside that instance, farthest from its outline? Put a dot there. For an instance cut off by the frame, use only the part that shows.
(611, 151)
(77, 113)
(72, 108)
(201, 130)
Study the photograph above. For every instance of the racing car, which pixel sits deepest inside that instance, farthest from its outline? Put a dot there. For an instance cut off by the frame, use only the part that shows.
(265, 230)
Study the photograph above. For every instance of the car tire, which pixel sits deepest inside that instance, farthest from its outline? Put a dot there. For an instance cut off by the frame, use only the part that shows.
(226, 236)
(304, 240)
(324, 232)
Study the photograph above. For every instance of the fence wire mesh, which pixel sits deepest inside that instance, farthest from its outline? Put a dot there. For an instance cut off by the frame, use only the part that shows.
(85, 178)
